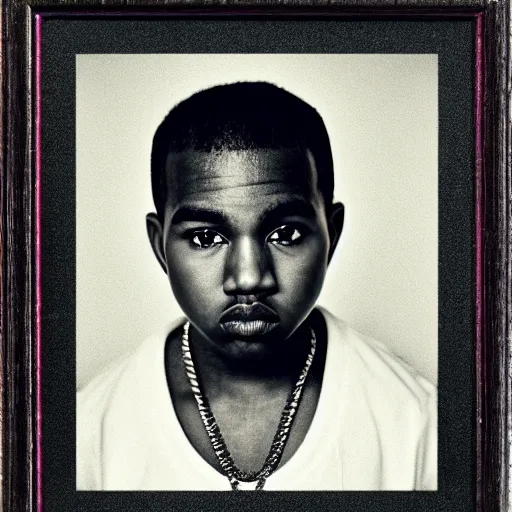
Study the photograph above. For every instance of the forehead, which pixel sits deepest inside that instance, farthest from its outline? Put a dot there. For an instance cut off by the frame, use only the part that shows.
(240, 176)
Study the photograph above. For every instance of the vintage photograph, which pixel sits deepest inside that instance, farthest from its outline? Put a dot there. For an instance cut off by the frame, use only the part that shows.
(256, 272)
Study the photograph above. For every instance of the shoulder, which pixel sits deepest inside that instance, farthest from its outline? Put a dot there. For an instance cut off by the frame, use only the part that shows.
(387, 412)
(378, 373)
(92, 403)
(130, 365)
(123, 386)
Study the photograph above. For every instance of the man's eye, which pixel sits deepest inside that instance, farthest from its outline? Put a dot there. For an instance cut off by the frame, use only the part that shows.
(285, 235)
(206, 239)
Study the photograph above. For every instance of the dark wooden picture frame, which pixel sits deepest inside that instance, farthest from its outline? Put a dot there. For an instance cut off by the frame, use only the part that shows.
(493, 222)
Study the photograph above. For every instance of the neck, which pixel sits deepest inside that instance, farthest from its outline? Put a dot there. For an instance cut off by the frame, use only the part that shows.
(251, 373)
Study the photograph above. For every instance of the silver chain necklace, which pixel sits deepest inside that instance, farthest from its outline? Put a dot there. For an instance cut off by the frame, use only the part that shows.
(227, 464)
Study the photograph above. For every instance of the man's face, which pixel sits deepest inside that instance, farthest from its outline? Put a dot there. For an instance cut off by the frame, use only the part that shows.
(245, 242)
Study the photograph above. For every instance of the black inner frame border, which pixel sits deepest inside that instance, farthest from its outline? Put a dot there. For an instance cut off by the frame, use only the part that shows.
(456, 265)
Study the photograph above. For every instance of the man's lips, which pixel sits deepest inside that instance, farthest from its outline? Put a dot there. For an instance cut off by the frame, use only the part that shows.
(249, 312)
(249, 319)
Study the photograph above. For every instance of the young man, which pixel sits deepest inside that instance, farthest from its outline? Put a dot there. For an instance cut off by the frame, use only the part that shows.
(255, 389)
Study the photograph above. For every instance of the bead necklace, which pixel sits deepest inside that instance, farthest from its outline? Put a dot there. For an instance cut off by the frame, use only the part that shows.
(227, 464)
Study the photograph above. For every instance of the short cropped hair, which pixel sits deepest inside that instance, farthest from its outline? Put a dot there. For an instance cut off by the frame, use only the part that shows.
(240, 116)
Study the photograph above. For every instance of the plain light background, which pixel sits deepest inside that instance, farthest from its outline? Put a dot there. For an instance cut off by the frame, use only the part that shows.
(382, 117)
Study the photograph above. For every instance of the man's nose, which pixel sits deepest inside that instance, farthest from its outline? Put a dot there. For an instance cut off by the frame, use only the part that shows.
(249, 269)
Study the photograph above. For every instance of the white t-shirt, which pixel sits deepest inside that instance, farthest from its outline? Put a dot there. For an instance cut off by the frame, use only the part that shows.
(375, 427)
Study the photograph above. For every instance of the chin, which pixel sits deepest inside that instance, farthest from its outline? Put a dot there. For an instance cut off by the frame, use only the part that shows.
(248, 350)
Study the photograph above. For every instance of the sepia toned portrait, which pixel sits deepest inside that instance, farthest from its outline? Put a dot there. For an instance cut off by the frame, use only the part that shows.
(256, 272)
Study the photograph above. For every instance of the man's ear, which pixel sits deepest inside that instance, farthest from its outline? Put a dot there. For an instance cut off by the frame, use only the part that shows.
(156, 239)
(335, 221)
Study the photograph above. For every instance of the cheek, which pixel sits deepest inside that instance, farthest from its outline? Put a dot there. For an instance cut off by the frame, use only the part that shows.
(301, 274)
(195, 278)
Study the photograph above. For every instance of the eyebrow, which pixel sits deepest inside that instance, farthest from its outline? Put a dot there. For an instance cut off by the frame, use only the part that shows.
(191, 214)
(292, 207)
(289, 208)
